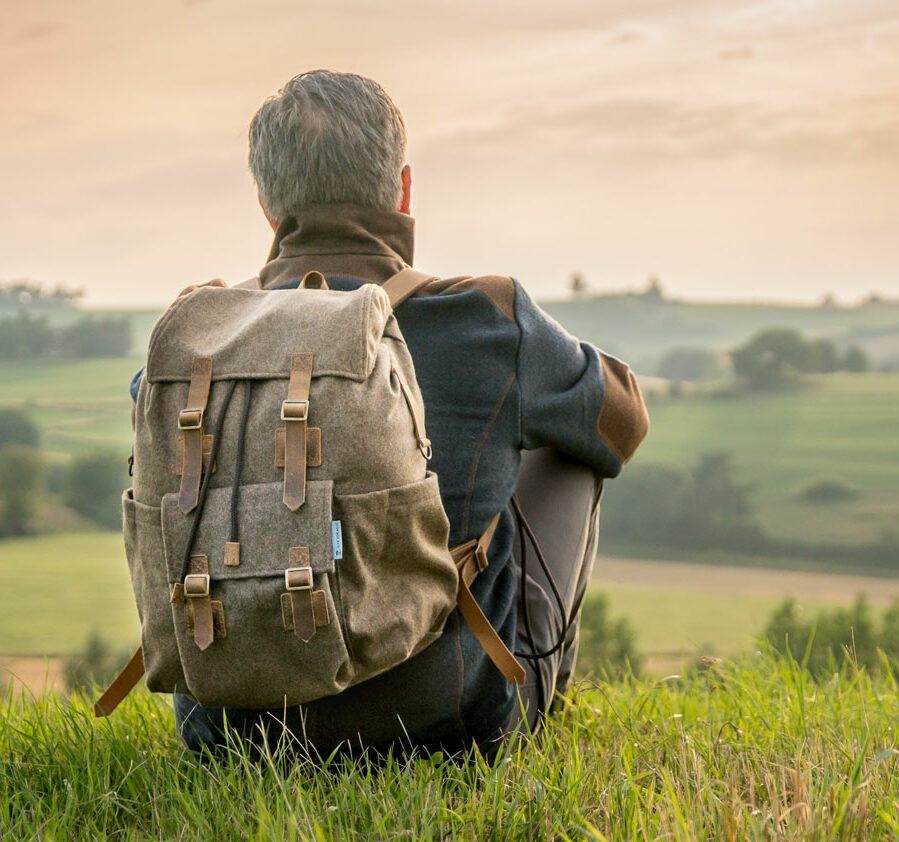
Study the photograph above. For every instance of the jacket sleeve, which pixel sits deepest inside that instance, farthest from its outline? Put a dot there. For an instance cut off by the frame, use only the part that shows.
(575, 398)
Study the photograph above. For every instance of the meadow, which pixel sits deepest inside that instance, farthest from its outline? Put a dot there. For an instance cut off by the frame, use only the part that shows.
(832, 427)
(838, 426)
(751, 750)
(745, 747)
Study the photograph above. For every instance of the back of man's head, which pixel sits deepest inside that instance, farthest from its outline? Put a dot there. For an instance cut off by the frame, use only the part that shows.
(327, 138)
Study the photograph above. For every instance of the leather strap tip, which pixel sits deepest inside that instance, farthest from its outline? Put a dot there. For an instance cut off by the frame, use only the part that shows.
(293, 503)
(186, 506)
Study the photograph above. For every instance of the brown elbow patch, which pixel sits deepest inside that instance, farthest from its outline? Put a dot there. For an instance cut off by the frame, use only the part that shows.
(623, 421)
(498, 288)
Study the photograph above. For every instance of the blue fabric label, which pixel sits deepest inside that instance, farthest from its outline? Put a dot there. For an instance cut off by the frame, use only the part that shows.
(336, 540)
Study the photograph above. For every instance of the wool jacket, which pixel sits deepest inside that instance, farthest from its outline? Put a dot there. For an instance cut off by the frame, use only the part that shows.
(498, 375)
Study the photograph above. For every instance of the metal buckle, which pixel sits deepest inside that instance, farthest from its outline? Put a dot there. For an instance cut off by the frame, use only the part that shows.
(425, 450)
(186, 419)
(302, 406)
(201, 578)
(305, 571)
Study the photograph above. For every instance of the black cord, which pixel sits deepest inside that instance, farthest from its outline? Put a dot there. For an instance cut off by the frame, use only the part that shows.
(204, 487)
(235, 485)
(525, 608)
(525, 528)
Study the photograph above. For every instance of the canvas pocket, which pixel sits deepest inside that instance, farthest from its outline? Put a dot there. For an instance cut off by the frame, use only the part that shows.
(144, 549)
(397, 578)
(256, 660)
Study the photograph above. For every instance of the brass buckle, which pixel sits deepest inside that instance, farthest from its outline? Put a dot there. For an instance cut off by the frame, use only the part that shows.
(305, 572)
(294, 410)
(190, 419)
(201, 579)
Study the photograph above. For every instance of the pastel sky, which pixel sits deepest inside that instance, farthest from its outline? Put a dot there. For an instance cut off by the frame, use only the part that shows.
(737, 148)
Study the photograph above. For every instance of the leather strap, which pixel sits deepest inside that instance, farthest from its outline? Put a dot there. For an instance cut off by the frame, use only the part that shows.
(404, 284)
(295, 414)
(190, 422)
(416, 408)
(122, 685)
(298, 580)
(471, 559)
(196, 592)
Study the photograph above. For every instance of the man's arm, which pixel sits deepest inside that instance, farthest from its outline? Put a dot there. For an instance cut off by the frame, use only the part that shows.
(575, 398)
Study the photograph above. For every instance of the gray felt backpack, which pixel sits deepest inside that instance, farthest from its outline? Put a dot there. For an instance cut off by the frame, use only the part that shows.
(284, 536)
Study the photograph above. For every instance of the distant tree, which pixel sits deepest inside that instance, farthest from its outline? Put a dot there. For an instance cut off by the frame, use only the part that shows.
(691, 364)
(24, 292)
(855, 360)
(774, 356)
(578, 285)
(821, 357)
(23, 336)
(97, 664)
(17, 428)
(93, 487)
(606, 647)
(20, 480)
(829, 491)
(715, 510)
(822, 642)
(97, 336)
(654, 290)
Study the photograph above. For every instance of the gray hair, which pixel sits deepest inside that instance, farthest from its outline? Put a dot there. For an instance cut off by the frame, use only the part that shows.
(328, 138)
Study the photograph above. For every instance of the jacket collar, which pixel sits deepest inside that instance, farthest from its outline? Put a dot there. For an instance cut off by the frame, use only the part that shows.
(345, 240)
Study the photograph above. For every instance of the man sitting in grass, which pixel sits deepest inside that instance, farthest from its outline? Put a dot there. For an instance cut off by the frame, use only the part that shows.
(498, 377)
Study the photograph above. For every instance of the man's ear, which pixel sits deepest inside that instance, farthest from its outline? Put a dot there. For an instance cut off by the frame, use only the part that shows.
(269, 218)
(406, 178)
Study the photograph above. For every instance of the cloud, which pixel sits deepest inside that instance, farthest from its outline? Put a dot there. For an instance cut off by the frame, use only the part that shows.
(662, 131)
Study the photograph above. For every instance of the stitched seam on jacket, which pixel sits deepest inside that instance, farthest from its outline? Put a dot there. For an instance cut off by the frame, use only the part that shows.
(460, 689)
(485, 436)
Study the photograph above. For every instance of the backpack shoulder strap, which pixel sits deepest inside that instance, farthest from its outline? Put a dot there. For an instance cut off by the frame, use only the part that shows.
(404, 284)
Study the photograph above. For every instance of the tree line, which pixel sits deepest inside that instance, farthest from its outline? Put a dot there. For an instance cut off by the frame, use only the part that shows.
(23, 336)
(90, 484)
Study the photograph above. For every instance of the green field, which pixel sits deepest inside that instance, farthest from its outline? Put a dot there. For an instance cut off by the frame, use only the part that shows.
(837, 426)
(746, 751)
(56, 589)
(79, 405)
(78, 583)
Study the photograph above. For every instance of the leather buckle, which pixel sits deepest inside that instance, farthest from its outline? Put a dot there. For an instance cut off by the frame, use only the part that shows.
(196, 585)
(298, 578)
(294, 410)
(190, 419)
(480, 557)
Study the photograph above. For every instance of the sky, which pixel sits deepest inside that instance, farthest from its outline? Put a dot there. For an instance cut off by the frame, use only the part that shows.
(737, 149)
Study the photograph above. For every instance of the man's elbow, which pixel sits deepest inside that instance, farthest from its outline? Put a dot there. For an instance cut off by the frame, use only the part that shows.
(623, 420)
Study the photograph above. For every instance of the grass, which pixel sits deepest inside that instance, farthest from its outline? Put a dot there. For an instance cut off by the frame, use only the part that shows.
(749, 751)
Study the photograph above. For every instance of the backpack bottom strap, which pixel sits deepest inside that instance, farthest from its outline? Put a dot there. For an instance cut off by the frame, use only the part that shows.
(471, 559)
(123, 684)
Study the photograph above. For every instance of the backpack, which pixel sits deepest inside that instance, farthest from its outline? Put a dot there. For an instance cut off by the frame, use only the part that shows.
(284, 536)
